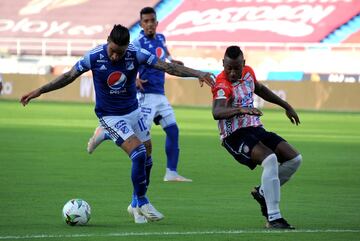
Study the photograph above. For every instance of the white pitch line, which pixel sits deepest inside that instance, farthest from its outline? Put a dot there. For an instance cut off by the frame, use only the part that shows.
(134, 234)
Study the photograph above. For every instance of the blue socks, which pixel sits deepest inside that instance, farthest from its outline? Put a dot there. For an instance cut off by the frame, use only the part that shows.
(172, 146)
(148, 166)
(138, 174)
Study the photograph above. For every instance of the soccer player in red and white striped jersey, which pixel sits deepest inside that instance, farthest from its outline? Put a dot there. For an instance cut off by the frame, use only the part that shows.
(244, 136)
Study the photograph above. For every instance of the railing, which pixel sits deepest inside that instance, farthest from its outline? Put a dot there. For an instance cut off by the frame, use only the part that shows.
(77, 47)
(267, 45)
(45, 47)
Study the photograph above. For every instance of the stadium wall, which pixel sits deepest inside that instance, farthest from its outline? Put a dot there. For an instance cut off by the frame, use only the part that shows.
(302, 95)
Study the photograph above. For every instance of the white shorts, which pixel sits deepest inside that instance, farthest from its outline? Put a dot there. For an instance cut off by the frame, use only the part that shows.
(120, 128)
(156, 108)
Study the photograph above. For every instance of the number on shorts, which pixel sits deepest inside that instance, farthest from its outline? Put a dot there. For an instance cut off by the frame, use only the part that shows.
(142, 124)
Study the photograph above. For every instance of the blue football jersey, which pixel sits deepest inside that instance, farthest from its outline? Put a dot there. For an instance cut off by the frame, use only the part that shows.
(114, 83)
(155, 78)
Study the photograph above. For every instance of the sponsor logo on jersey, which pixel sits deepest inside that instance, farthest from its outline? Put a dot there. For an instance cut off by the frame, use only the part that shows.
(103, 67)
(146, 110)
(160, 53)
(116, 80)
(101, 60)
(129, 57)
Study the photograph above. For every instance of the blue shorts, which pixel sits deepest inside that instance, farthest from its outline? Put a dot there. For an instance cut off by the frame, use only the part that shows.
(241, 142)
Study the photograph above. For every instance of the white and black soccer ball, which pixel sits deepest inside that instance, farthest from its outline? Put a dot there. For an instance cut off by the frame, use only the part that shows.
(76, 212)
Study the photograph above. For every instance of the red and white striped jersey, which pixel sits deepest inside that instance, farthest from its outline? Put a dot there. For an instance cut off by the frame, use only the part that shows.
(238, 94)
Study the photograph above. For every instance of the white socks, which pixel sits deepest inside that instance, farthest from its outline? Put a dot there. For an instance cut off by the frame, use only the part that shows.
(288, 168)
(270, 185)
(272, 177)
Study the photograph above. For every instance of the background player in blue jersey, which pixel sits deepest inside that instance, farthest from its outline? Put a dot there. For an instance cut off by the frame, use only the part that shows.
(114, 67)
(153, 102)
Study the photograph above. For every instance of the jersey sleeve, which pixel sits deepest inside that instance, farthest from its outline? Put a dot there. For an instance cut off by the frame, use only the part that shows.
(84, 63)
(145, 57)
(221, 90)
(136, 43)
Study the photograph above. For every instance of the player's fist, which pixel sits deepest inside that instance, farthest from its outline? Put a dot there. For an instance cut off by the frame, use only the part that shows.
(25, 99)
(208, 78)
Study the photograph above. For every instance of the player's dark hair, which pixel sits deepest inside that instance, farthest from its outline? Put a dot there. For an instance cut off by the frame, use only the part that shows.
(119, 35)
(147, 10)
(233, 52)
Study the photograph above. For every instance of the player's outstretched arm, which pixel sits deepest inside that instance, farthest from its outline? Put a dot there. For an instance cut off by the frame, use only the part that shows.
(221, 110)
(57, 83)
(183, 71)
(265, 93)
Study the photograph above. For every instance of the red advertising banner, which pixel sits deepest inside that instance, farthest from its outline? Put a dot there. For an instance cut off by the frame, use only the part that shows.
(69, 19)
(257, 20)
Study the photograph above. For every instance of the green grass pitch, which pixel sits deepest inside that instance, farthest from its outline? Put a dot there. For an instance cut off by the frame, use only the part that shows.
(44, 163)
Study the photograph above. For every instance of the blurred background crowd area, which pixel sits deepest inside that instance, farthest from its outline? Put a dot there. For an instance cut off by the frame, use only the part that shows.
(297, 46)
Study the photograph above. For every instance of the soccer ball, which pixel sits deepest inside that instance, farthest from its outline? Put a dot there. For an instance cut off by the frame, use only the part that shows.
(76, 212)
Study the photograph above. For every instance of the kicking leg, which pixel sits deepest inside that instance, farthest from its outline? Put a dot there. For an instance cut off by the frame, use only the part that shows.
(100, 135)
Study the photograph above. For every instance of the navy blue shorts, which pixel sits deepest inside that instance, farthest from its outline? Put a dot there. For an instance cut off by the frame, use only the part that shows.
(241, 142)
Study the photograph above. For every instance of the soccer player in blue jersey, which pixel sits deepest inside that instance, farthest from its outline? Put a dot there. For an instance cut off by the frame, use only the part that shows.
(153, 102)
(114, 67)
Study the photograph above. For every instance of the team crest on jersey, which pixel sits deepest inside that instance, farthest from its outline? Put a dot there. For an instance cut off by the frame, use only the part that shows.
(220, 93)
(129, 65)
(116, 80)
(160, 53)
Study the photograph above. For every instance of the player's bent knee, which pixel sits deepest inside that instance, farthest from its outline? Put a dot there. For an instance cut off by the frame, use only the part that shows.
(295, 162)
(270, 163)
(148, 147)
(131, 144)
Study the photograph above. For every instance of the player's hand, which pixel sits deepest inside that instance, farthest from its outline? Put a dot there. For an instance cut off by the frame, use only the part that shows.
(139, 84)
(250, 111)
(177, 62)
(25, 99)
(292, 115)
(208, 78)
